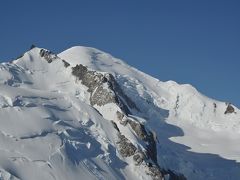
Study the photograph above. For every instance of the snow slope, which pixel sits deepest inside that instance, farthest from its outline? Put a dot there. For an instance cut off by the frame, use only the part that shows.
(51, 129)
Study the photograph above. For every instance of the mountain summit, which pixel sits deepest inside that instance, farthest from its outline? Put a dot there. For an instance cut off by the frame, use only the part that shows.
(83, 114)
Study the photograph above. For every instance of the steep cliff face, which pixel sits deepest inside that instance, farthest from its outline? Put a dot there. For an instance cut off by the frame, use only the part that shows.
(83, 113)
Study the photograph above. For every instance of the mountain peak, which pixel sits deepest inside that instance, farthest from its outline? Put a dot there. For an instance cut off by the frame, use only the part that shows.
(85, 112)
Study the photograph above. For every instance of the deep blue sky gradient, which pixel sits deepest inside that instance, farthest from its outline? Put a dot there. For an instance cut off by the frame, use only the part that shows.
(189, 41)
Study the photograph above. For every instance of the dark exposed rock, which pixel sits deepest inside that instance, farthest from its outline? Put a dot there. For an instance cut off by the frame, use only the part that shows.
(148, 159)
(95, 83)
(102, 96)
(149, 138)
(115, 126)
(215, 107)
(139, 129)
(177, 104)
(122, 118)
(120, 115)
(66, 64)
(154, 172)
(48, 55)
(103, 88)
(139, 158)
(79, 71)
(126, 148)
(32, 46)
(230, 109)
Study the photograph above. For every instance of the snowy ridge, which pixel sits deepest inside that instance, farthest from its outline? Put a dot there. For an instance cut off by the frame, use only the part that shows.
(83, 113)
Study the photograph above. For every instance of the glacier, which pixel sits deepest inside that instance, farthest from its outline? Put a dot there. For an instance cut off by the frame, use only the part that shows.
(84, 114)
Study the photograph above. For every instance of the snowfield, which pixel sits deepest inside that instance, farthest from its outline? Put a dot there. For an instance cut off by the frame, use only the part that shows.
(56, 125)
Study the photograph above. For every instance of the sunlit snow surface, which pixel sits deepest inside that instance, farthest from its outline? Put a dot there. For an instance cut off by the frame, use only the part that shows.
(49, 130)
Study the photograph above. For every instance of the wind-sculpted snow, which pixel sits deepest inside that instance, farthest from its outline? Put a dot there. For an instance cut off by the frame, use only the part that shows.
(83, 114)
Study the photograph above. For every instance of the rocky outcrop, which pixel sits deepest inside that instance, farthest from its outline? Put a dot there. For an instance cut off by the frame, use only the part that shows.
(230, 109)
(154, 172)
(103, 88)
(66, 64)
(147, 158)
(122, 118)
(139, 129)
(215, 107)
(148, 137)
(95, 82)
(48, 55)
(139, 158)
(115, 126)
(126, 148)
(32, 46)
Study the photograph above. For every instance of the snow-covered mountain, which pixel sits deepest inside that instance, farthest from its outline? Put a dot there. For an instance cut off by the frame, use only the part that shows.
(83, 114)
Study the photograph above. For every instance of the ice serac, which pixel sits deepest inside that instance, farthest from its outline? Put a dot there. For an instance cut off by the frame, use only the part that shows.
(83, 113)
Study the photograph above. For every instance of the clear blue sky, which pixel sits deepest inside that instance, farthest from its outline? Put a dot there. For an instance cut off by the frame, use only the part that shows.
(189, 41)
